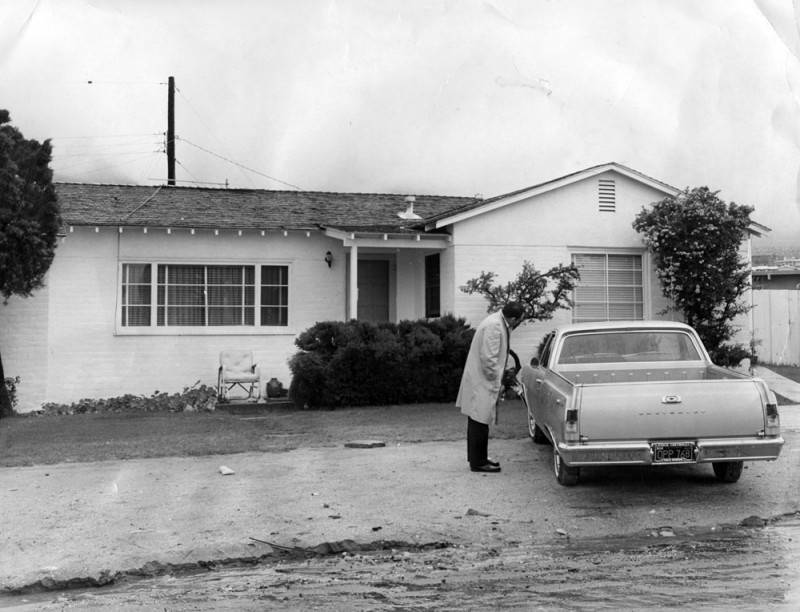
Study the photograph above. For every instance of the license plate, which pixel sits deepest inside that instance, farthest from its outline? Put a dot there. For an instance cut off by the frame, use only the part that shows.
(676, 452)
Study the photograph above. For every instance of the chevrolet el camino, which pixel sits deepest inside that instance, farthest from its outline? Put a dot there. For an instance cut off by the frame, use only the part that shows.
(644, 393)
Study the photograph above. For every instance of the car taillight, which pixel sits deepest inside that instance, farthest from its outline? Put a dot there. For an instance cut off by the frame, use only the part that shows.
(571, 426)
(773, 427)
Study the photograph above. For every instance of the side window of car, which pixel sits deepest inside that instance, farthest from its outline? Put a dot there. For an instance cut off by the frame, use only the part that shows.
(547, 345)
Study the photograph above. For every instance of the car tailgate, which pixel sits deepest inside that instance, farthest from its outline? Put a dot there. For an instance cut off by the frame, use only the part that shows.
(670, 410)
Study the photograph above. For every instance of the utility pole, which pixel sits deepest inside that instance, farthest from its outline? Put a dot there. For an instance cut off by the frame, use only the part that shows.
(171, 131)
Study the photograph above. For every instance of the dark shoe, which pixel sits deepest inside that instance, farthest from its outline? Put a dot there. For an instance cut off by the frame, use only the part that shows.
(492, 462)
(486, 467)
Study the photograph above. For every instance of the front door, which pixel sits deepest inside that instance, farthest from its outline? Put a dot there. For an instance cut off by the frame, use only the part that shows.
(373, 290)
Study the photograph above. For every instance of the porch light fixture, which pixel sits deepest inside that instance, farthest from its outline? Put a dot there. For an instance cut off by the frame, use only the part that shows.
(329, 258)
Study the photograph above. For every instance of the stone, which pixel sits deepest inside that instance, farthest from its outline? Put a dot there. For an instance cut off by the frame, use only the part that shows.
(365, 444)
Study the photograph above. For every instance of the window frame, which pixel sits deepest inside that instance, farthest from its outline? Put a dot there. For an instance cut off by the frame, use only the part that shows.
(433, 291)
(203, 330)
(645, 279)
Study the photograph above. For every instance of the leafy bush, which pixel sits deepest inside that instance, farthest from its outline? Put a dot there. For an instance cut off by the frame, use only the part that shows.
(730, 355)
(195, 398)
(11, 388)
(695, 238)
(358, 363)
(541, 294)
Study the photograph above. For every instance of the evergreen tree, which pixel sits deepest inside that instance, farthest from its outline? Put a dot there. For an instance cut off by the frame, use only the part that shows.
(29, 219)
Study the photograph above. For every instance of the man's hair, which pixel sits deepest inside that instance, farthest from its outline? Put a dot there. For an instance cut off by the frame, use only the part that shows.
(512, 310)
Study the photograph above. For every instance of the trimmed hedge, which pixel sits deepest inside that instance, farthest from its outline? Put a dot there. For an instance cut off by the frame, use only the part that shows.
(358, 363)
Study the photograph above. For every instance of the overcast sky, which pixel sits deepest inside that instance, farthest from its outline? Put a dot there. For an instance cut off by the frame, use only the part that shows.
(454, 97)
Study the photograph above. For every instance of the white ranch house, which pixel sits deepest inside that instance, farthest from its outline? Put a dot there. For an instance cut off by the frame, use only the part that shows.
(149, 283)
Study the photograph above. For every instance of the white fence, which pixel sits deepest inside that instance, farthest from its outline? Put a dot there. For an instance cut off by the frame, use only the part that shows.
(776, 326)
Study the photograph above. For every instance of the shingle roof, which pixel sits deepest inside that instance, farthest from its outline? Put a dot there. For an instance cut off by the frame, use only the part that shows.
(194, 207)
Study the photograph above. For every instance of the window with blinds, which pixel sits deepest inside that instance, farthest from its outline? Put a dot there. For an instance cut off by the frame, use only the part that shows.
(199, 295)
(136, 295)
(274, 295)
(610, 288)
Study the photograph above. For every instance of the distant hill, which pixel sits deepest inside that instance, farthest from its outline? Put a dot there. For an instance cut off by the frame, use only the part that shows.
(765, 248)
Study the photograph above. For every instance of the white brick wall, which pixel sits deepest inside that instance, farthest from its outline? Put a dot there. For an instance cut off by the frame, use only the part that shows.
(410, 284)
(23, 345)
(69, 348)
(546, 230)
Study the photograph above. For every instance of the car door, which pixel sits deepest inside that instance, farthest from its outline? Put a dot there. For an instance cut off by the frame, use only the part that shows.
(536, 387)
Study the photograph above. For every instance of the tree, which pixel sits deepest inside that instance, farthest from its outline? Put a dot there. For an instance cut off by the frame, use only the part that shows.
(29, 219)
(695, 238)
(540, 294)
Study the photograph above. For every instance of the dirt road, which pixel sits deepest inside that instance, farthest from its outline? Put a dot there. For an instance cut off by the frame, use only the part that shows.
(721, 568)
(419, 531)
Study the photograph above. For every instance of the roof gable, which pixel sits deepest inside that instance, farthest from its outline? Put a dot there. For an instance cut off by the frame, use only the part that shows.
(473, 209)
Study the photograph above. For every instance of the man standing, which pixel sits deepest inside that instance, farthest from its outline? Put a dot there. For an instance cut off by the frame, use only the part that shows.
(482, 380)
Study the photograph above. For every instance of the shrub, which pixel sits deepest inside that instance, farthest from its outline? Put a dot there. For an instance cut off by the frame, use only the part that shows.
(730, 355)
(358, 363)
(195, 398)
(11, 388)
(695, 238)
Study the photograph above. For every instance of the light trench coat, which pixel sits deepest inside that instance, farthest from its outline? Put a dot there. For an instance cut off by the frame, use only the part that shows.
(483, 371)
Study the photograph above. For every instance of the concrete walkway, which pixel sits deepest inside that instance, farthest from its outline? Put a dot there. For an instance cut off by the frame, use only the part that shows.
(779, 384)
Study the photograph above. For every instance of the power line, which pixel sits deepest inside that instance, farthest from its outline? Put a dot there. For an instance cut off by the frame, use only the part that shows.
(235, 163)
(177, 180)
(208, 129)
(139, 135)
(101, 168)
(177, 161)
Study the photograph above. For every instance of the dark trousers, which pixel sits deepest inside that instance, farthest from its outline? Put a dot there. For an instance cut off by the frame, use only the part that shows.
(477, 443)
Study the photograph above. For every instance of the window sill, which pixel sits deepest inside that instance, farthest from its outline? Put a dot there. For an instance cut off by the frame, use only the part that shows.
(205, 331)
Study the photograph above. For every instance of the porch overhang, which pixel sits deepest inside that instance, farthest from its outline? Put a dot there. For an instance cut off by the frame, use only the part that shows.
(394, 240)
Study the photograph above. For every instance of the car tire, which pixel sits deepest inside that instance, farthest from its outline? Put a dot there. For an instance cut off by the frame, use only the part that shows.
(566, 475)
(728, 471)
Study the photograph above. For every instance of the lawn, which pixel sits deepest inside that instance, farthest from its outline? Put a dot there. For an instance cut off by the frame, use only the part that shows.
(39, 440)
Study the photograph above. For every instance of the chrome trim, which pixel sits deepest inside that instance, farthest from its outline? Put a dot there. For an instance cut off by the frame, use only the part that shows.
(639, 453)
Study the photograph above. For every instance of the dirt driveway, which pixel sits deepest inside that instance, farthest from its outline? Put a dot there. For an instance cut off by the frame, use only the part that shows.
(97, 523)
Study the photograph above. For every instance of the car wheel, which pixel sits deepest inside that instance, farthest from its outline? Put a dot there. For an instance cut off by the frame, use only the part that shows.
(534, 431)
(566, 475)
(728, 471)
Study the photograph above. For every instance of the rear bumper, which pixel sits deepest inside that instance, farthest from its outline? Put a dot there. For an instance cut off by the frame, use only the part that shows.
(640, 453)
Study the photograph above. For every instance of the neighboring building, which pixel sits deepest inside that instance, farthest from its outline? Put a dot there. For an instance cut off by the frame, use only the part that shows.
(782, 275)
(149, 284)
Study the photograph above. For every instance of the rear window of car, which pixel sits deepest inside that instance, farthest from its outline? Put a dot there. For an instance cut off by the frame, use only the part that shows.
(628, 346)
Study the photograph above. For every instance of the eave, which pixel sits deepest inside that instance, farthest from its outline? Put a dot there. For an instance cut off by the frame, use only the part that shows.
(406, 240)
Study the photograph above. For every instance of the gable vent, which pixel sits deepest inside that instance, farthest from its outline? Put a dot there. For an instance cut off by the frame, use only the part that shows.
(607, 192)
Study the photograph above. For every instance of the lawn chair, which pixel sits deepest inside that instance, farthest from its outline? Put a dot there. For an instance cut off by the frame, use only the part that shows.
(237, 369)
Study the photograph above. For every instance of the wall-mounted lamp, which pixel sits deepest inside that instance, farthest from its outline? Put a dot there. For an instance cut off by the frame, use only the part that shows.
(329, 258)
